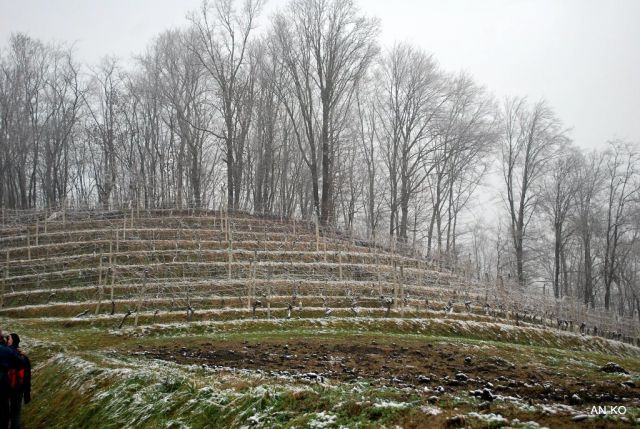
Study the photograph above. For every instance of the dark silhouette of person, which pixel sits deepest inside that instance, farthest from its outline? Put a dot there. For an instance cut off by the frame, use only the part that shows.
(19, 383)
(9, 359)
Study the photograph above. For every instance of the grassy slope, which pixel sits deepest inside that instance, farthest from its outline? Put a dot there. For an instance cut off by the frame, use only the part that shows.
(83, 378)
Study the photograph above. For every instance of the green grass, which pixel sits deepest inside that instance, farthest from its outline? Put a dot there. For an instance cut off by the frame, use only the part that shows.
(83, 378)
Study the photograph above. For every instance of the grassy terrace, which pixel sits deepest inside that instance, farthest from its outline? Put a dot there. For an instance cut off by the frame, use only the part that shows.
(367, 343)
(168, 375)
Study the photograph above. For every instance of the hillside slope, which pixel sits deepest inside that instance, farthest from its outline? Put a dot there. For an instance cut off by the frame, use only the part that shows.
(205, 319)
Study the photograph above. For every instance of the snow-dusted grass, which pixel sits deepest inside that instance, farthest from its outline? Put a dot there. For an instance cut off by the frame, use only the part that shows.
(94, 389)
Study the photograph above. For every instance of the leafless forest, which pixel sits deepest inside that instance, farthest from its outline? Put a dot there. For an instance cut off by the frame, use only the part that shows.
(304, 114)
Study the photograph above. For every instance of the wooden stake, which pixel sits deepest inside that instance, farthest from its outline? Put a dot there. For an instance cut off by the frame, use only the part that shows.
(37, 231)
(100, 287)
(250, 284)
(317, 235)
(340, 264)
(28, 244)
(378, 273)
(402, 296)
(395, 286)
(229, 250)
(269, 298)
(100, 270)
(5, 280)
(140, 294)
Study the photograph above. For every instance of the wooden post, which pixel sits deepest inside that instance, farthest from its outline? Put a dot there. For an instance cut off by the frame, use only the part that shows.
(113, 270)
(100, 286)
(124, 227)
(395, 286)
(325, 251)
(226, 215)
(100, 269)
(269, 300)
(28, 244)
(250, 283)
(340, 263)
(113, 280)
(37, 231)
(5, 280)
(264, 231)
(140, 294)
(378, 272)
(317, 234)
(402, 293)
(229, 250)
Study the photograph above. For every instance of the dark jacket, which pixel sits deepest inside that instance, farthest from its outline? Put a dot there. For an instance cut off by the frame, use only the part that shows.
(26, 387)
(10, 358)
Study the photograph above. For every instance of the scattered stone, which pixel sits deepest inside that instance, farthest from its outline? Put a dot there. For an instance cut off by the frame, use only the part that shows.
(487, 395)
(461, 376)
(423, 379)
(575, 399)
(613, 367)
(580, 417)
(433, 399)
(439, 389)
(467, 359)
(629, 383)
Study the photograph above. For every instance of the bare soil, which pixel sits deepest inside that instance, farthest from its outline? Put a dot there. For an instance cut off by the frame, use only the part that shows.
(407, 365)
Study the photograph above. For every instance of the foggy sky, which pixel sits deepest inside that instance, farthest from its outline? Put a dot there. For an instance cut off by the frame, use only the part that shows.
(582, 56)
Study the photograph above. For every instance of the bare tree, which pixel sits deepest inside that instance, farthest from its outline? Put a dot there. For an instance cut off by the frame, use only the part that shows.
(104, 106)
(531, 136)
(412, 97)
(222, 48)
(325, 48)
(622, 165)
(588, 178)
(557, 197)
(63, 94)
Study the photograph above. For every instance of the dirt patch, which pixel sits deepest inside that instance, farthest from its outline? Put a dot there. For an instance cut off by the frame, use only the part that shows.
(417, 365)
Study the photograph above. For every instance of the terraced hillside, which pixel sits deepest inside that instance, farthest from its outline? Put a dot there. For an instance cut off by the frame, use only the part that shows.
(206, 319)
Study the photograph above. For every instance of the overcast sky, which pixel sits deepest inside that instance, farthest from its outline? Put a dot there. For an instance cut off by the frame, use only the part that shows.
(582, 56)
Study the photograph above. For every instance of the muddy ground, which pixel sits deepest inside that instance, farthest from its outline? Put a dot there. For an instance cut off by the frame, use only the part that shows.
(429, 365)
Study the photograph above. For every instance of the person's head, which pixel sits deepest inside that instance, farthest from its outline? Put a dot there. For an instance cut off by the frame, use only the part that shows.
(13, 340)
